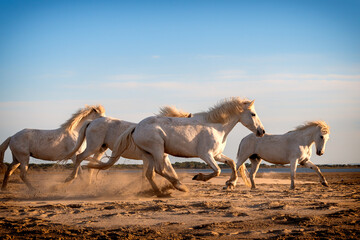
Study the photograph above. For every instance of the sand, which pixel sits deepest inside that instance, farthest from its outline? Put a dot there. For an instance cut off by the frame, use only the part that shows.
(120, 205)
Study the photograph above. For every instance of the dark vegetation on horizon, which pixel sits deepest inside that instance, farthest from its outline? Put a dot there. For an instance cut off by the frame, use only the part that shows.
(181, 165)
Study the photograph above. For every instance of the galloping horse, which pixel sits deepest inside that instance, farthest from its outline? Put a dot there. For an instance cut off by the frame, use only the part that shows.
(102, 134)
(51, 145)
(292, 147)
(203, 135)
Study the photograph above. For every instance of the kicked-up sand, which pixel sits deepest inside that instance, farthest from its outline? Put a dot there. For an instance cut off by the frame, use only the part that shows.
(120, 205)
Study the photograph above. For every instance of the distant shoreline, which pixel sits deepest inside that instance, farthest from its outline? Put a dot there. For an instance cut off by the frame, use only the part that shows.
(186, 165)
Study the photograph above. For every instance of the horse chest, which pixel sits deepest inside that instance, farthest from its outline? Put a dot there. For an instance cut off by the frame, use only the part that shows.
(304, 153)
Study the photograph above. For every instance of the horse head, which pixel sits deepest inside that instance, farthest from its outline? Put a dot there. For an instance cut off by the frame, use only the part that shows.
(321, 136)
(250, 119)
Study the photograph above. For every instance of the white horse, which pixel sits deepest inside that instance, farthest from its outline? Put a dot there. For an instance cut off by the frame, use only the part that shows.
(203, 135)
(102, 134)
(51, 145)
(293, 147)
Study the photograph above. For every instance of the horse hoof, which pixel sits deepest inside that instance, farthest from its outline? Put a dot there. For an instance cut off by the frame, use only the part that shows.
(69, 179)
(325, 184)
(181, 187)
(198, 177)
(163, 195)
(228, 187)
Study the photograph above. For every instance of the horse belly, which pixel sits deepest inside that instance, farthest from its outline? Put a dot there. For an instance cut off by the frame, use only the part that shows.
(50, 147)
(181, 146)
(133, 153)
(273, 152)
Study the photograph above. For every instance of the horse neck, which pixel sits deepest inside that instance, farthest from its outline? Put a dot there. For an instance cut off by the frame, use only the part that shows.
(306, 136)
(78, 127)
(223, 127)
(228, 126)
(75, 129)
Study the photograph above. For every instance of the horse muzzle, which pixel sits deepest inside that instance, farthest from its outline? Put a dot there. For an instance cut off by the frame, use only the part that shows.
(319, 152)
(260, 132)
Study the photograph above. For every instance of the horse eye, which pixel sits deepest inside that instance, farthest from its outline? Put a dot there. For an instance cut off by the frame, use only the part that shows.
(253, 114)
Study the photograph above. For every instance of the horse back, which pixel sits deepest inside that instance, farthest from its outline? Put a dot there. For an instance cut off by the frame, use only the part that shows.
(183, 137)
(41, 144)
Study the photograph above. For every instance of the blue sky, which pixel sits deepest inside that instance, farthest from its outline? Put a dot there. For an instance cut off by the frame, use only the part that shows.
(300, 60)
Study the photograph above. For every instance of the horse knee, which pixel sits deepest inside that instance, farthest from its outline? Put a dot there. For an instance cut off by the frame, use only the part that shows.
(150, 174)
(23, 174)
(217, 172)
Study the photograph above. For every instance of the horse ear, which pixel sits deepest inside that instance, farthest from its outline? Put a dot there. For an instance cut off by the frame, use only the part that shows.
(251, 103)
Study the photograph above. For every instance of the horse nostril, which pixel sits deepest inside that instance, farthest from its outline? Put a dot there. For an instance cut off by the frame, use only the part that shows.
(263, 131)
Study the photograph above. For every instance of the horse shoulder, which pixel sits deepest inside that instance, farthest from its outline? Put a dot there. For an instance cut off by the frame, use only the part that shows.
(248, 142)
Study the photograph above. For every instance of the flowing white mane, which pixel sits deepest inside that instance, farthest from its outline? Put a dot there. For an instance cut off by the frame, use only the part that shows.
(221, 112)
(80, 114)
(325, 129)
(171, 111)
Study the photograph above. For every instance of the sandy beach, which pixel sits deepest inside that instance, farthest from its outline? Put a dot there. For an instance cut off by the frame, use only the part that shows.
(120, 205)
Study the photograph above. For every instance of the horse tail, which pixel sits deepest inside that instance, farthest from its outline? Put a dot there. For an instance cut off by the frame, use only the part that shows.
(3, 148)
(123, 142)
(244, 175)
(80, 140)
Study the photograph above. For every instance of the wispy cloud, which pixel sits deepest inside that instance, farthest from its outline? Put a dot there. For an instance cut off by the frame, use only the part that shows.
(243, 75)
(231, 74)
(138, 77)
(129, 77)
(224, 83)
(52, 76)
(138, 84)
(312, 77)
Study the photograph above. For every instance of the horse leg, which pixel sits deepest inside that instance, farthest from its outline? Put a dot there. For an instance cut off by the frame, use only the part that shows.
(255, 163)
(293, 166)
(96, 158)
(209, 159)
(23, 159)
(143, 177)
(230, 184)
(9, 171)
(79, 158)
(169, 173)
(23, 170)
(312, 166)
(150, 174)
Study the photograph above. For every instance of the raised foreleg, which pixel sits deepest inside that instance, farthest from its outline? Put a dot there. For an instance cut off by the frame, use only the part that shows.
(230, 184)
(311, 165)
(209, 159)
